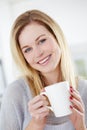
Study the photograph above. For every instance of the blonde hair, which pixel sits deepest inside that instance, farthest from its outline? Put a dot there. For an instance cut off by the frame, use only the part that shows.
(34, 78)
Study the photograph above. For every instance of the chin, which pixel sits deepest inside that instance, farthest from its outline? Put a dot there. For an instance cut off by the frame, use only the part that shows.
(47, 71)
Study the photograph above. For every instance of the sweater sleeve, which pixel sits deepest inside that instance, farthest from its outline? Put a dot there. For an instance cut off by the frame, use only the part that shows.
(83, 92)
(8, 117)
(85, 100)
(11, 113)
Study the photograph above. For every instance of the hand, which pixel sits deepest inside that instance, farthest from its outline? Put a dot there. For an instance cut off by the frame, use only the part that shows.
(38, 110)
(78, 115)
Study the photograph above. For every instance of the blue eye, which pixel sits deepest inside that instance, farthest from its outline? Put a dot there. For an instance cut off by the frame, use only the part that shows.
(28, 50)
(42, 41)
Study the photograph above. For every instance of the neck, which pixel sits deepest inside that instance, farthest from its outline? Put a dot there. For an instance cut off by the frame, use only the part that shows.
(52, 77)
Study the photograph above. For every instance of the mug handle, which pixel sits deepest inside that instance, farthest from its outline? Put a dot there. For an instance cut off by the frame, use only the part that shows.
(49, 107)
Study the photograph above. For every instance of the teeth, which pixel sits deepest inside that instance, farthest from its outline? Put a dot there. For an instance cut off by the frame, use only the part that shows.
(44, 60)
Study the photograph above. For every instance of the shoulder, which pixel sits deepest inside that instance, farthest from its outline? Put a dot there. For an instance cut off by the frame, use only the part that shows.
(17, 90)
(82, 84)
(13, 105)
(82, 88)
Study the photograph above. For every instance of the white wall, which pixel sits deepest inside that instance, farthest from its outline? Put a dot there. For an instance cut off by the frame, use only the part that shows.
(5, 25)
(70, 14)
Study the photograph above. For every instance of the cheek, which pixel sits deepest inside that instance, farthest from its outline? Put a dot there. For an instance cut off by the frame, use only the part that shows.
(50, 47)
(53, 46)
(59, 53)
(29, 59)
(56, 49)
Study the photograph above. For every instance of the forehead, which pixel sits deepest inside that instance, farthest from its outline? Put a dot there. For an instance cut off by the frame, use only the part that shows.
(31, 32)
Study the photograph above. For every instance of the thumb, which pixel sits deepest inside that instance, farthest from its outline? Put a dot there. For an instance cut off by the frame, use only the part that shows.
(42, 90)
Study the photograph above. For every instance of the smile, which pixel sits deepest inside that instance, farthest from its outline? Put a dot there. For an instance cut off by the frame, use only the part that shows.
(45, 60)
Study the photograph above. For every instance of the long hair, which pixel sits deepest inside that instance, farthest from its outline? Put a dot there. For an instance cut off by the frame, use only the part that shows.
(33, 77)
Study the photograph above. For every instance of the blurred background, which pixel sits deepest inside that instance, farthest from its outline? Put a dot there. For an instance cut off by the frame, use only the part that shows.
(71, 16)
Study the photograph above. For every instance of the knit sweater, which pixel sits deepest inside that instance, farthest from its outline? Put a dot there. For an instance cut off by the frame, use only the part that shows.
(14, 114)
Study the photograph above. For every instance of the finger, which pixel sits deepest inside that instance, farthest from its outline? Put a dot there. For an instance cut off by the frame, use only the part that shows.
(73, 89)
(40, 104)
(37, 99)
(74, 93)
(77, 104)
(75, 111)
(40, 116)
(44, 114)
(41, 112)
(43, 90)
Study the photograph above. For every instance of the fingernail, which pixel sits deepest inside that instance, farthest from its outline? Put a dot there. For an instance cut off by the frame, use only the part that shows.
(71, 87)
(71, 107)
(71, 97)
(71, 90)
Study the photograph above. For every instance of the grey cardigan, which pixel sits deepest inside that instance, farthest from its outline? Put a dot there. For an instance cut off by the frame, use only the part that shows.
(14, 114)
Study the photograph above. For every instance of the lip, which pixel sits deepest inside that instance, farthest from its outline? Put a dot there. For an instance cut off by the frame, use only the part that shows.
(45, 60)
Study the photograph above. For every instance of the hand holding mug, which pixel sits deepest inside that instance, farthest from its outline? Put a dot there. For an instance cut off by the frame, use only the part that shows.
(38, 110)
(78, 114)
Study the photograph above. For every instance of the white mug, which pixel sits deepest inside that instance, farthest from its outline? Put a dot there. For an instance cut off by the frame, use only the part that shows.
(58, 96)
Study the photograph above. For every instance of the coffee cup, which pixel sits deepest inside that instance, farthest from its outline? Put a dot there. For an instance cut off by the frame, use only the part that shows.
(58, 96)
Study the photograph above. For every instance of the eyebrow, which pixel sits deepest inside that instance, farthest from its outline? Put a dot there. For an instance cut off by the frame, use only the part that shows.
(39, 37)
(35, 40)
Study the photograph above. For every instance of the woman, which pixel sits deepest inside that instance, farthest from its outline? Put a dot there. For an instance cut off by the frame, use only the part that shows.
(40, 50)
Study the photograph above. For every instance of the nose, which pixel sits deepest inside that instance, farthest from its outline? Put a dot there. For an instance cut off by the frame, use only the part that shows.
(38, 52)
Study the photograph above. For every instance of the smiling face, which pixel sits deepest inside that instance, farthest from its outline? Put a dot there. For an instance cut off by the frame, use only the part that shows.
(40, 48)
